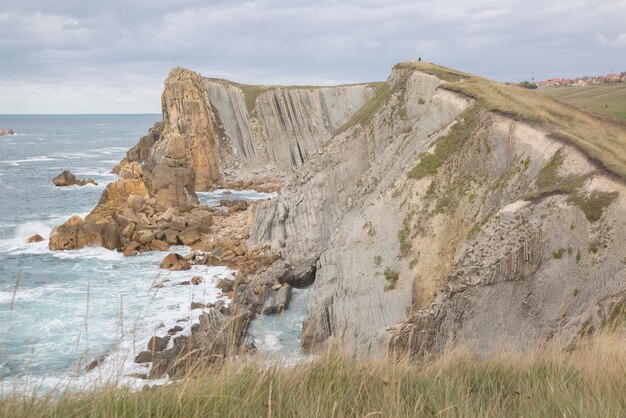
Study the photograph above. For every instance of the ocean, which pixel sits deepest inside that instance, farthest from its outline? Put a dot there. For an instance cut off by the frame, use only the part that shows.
(60, 310)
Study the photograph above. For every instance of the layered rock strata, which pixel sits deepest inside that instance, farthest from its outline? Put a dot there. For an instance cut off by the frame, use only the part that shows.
(418, 216)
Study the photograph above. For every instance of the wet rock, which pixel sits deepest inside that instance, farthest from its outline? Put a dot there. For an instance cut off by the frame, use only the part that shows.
(196, 280)
(157, 343)
(130, 252)
(277, 300)
(66, 178)
(175, 262)
(76, 234)
(96, 362)
(215, 337)
(226, 285)
(143, 357)
(34, 238)
(175, 329)
(197, 305)
(189, 236)
(234, 205)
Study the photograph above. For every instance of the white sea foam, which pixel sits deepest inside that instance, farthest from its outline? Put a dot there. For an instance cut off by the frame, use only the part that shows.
(29, 160)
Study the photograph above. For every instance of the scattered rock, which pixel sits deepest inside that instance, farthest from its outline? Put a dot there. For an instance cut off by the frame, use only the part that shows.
(189, 236)
(34, 238)
(128, 231)
(76, 234)
(66, 178)
(277, 300)
(196, 280)
(171, 236)
(157, 343)
(197, 305)
(175, 329)
(143, 357)
(96, 362)
(143, 237)
(175, 262)
(226, 285)
(158, 245)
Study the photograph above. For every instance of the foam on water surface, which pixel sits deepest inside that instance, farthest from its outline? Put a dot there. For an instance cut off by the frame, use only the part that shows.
(60, 310)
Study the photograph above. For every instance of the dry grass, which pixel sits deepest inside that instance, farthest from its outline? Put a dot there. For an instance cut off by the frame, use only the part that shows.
(588, 381)
(603, 139)
(607, 99)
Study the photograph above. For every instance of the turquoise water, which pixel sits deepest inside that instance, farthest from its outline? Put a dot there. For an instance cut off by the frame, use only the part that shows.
(59, 310)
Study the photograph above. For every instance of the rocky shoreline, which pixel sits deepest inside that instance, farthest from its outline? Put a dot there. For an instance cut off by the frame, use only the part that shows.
(415, 213)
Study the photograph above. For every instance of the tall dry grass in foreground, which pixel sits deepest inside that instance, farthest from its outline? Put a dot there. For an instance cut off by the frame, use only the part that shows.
(589, 381)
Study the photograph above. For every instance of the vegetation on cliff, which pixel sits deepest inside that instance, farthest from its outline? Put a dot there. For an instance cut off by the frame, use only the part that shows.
(602, 139)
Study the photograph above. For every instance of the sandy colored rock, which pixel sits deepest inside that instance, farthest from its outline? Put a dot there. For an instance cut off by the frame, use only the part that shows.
(158, 245)
(143, 237)
(76, 234)
(66, 178)
(128, 231)
(175, 262)
(189, 236)
(34, 238)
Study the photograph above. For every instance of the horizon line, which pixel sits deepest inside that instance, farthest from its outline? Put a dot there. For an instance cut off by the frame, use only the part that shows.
(76, 114)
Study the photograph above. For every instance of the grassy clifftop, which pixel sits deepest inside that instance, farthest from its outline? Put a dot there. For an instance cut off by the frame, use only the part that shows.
(602, 139)
(607, 99)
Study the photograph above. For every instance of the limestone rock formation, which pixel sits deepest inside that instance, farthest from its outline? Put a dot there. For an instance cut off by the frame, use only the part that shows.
(34, 238)
(77, 233)
(66, 178)
(435, 208)
(143, 149)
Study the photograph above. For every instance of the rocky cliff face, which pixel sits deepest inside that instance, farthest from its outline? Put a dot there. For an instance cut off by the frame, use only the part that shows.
(499, 234)
(216, 131)
(420, 215)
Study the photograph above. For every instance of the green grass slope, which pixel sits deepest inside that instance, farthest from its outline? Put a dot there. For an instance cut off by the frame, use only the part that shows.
(602, 138)
(607, 99)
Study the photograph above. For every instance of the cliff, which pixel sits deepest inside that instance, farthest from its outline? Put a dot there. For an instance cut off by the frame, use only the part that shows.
(434, 208)
(215, 130)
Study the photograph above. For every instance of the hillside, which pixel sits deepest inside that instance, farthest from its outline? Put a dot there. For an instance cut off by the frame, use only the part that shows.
(607, 99)
(435, 209)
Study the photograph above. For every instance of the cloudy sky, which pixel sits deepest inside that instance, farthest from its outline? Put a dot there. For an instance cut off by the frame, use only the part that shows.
(111, 56)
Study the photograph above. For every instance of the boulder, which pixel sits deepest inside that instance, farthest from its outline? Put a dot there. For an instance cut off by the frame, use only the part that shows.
(136, 203)
(189, 236)
(143, 237)
(225, 284)
(277, 300)
(234, 205)
(34, 238)
(143, 357)
(128, 231)
(96, 362)
(175, 262)
(75, 234)
(114, 199)
(158, 245)
(171, 236)
(66, 178)
(9, 132)
(196, 280)
(157, 343)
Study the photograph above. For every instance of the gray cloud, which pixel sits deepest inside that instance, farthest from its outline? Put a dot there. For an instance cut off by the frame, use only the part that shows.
(96, 56)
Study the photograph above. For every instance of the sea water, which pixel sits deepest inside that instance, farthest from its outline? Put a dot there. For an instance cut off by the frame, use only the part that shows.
(60, 310)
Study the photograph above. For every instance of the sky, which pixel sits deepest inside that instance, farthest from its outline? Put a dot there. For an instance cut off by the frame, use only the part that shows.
(112, 56)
